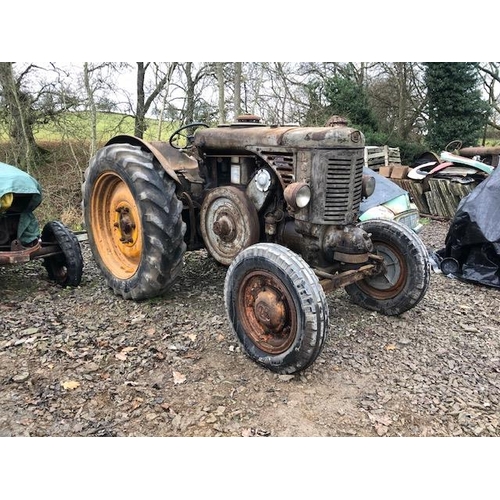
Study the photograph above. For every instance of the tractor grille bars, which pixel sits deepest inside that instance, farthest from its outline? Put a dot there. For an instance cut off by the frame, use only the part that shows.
(343, 189)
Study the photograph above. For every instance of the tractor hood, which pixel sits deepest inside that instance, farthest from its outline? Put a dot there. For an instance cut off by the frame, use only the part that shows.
(242, 137)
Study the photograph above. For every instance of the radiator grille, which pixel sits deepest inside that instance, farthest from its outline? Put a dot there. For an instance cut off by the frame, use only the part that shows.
(284, 165)
(344, 178)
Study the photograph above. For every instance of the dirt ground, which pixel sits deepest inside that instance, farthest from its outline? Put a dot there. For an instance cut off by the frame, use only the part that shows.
(83, 362)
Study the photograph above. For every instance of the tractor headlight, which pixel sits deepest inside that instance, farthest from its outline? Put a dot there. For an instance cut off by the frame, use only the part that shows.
(298, 195)
(368, 185)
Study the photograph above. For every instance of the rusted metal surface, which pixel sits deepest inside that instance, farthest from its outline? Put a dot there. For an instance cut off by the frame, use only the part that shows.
(229, 223)
(125, 224)
(238, 138)
(331, 282)
(163, 158)
(267, 312)
(19, 254)
(479, 151)
(394, 273)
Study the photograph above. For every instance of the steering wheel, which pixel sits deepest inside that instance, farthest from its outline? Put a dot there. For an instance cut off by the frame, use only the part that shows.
(453, 146)
(178, 134)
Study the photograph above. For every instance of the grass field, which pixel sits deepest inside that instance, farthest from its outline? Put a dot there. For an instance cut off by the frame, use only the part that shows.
(77, 126)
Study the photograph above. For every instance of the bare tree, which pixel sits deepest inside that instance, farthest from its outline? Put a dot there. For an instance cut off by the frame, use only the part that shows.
(490, 74)
(198, 100)
(397, 94)
(20, 115)
(237, 89)
(87, 76)
(221, 86)
(99, 84)
(161, 77)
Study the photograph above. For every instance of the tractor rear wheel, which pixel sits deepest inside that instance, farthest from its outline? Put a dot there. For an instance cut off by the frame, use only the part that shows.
(276, 307)
(134, 221)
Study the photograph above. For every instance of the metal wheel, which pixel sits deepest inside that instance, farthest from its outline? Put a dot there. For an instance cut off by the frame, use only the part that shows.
(277, 308)
(453, 146)
(134, 221)
(116, 225)
(229, 223)
(267, 312)
(391, 281)
(405, 276)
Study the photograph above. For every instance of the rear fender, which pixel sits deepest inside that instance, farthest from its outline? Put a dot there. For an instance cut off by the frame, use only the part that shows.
(154, 149)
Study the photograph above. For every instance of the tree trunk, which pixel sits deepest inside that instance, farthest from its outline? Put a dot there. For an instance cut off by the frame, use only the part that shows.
(26, 152)
(92, 108)
(190, 89)
(220, 83)
(237, 89)
(140, 109)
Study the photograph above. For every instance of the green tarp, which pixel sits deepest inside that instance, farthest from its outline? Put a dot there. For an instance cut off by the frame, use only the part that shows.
(16, 181)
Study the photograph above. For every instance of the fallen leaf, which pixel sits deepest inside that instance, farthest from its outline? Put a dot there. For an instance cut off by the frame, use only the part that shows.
(70, 384)
(390, 347)
(122, 356)
(192, 337)
(179, 378)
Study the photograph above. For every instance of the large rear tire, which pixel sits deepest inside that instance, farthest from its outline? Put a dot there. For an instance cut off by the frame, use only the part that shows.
(406, 275)
(66, 267)
(134, 221)
(276, 307)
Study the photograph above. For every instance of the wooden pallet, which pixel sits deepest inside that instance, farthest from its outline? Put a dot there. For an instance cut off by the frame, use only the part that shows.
(380, 156)
(441, 198)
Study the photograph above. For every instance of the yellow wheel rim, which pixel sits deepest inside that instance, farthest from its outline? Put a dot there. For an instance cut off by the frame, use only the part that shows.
(116, 225)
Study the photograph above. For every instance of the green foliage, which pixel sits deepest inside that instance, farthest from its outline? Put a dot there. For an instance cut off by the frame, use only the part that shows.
(317, 113)
(349, 99)
(456, 110)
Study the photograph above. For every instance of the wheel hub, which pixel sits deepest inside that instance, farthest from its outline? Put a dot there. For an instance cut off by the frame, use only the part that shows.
(125, 224)
(224, 227)
(229, 223)
(269, 310)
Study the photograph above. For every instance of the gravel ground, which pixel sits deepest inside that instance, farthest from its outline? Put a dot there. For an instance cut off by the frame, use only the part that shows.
(83, 362)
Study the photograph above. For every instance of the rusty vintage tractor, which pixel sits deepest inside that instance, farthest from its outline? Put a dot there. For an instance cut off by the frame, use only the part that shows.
(277, 205)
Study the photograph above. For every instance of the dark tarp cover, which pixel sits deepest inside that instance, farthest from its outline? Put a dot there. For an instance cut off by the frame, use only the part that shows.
(473, 238)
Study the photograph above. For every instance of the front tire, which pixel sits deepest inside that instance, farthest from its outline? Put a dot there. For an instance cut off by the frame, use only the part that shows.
(406, 275)
(134, 221)
(276, 307)
(66, 267)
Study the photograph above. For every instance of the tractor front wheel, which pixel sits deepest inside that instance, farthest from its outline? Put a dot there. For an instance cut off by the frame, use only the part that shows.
(276, 308)
(405, 275)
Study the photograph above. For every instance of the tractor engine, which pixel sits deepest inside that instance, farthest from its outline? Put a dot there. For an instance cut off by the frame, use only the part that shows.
(306, 185)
